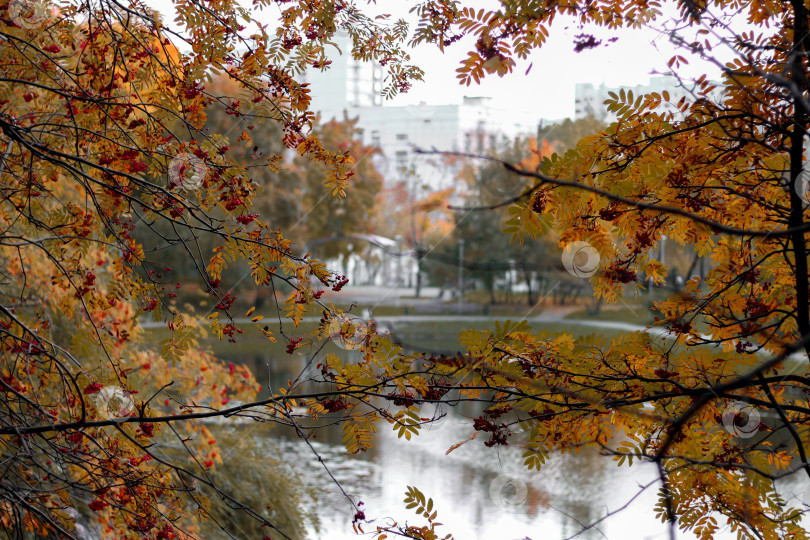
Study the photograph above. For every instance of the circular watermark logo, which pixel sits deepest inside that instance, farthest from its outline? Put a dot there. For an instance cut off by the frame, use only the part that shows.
(432, 414)
(520, 428)
(29, 14)
(305, 350)
(187, 171)
(341, 30)
(802, 187)
(348, 332)
(741, 420)
(422, 110)
(506, 491)
(580, 259)
(505, 187)
(114, 403)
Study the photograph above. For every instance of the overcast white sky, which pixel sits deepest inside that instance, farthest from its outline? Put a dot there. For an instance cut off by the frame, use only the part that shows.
(548, 89)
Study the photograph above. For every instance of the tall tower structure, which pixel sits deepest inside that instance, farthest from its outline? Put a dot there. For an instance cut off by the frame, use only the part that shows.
(347, 83)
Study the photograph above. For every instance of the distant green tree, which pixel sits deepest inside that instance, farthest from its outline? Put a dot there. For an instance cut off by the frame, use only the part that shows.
(291, 197)
(487, 257)
(568, 133)
(321, 215)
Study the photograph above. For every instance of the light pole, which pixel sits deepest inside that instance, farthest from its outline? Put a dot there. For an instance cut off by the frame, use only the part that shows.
(398, 238)
(662, 253)
(460, 274)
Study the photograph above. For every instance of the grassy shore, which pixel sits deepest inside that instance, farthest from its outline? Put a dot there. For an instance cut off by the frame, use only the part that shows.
(429, 336)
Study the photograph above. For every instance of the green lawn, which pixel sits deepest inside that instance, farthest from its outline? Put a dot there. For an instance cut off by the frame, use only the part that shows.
(428, 336)
(639, 314)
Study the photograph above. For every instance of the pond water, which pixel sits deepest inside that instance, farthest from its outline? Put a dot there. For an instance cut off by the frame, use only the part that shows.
(479, 493)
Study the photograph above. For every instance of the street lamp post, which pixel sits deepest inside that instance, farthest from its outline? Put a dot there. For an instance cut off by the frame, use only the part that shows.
(460, 274)
(398, 238)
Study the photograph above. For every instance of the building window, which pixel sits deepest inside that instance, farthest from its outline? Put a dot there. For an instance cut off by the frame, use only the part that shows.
(375, 138)
(402, 136)
(401, 158)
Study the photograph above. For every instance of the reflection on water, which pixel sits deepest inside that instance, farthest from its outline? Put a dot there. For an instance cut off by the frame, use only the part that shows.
(795, 490)
(479, 493)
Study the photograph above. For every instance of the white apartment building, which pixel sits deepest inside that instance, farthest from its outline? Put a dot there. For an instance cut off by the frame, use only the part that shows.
(471, 127)
(353, 88)
(346, 84)
(590, 99)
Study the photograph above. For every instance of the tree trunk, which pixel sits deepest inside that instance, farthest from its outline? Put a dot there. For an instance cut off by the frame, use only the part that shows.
(418, 277)
(692, 266)
(796, 220)
(595, 307)
(527, 275)
(508, 294)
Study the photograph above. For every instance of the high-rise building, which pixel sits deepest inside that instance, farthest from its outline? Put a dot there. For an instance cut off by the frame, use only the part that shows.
(590, 99)
(353, 88)
(346, 84)
(471, 127)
